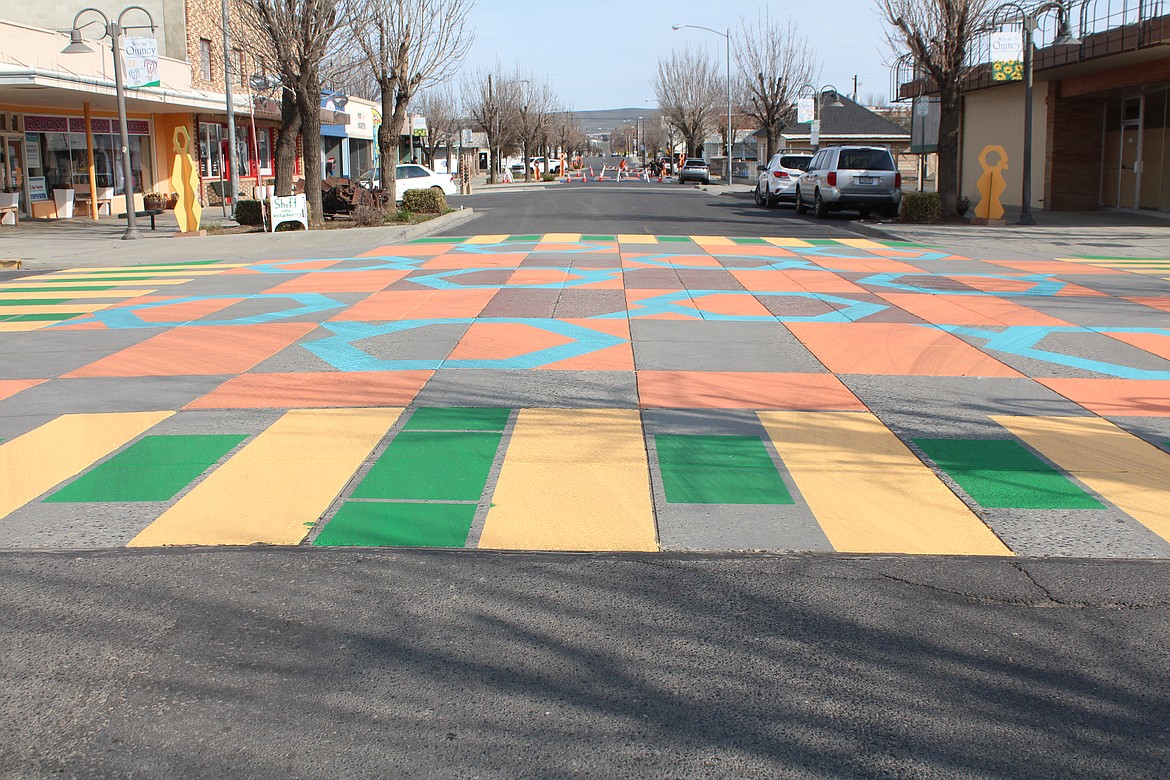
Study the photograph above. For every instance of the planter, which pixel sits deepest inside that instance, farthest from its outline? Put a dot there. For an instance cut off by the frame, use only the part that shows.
(9, 200)
(64, 202)
(154, 204)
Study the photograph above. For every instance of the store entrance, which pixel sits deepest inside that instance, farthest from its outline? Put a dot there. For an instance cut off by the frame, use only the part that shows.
(12, 170)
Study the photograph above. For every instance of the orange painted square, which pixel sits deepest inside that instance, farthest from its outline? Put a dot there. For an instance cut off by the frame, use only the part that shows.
(187, 311)
(744, 390)
(409, 250)
(416, 305)
(754, 250)
(766, 280)
(619, 357)
(874, 265)
(822, 282)
(1154, 343)
(503, 340)
(199, 351)
(298, 265)
(525, 276)
(894, 349)
(682, 300)
(1155, 303)
(974, 310)
(460, 260)
(10, 387)
(315, 390)
(1116, 397)
(341, 281)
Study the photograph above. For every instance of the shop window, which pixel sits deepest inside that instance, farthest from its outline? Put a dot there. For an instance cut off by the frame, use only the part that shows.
(264, 145)
(209, 149)
(205, 59)
(59, 159)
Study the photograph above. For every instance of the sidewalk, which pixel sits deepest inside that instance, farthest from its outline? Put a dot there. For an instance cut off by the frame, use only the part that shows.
(1056, 234)
(47, 245)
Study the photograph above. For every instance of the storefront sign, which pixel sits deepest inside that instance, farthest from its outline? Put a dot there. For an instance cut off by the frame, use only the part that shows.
(294, 208)
(37, 189)
(1007, 55)
(804, 110)
(142, 62)
(32, 151)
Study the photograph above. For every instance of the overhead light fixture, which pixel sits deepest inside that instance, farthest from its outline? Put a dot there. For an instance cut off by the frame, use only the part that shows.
(76, 44)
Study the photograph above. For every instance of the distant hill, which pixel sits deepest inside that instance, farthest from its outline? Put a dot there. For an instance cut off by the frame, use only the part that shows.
(605, 120)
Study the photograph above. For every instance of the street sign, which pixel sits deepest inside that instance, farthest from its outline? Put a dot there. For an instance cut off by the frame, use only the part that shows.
(804, 110)
(814, 136)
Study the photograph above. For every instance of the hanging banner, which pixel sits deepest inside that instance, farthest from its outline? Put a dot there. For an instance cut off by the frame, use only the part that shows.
(804, 110)
(418, 125)
(814, 134)
(141, 62)
(1007, 56)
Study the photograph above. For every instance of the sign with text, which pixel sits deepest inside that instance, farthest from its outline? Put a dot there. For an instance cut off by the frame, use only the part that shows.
(1007, 55)
(804, 110)
(141, 62)
(418, 125)
(38, 190)
(814, 134)
(294, 208)
(32, 151)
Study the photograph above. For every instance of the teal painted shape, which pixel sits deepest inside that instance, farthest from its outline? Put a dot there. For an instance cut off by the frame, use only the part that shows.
(392, 524)
(432, 466)
(718, 470)
(458, 418)
(154, 468)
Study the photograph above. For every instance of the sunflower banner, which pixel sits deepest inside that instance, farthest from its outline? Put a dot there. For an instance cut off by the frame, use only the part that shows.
(1007, 56)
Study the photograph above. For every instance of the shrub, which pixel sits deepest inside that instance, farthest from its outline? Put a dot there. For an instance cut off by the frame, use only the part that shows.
(248, 212)
(549, 176)
(368, 214)
(921, 207)
(425, 201)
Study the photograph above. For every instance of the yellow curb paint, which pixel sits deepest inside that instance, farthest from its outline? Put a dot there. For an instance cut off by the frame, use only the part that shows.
(860, 243)
(491, 239)
(176, 268)
(631, 238)
(712, 240)
(82, 281)
(869, 492)
(8, 295)
(573, 479)
(47, 456)
(56, 308)
(787, 242)
(1126, 471)
(278, 484)
(561, 238)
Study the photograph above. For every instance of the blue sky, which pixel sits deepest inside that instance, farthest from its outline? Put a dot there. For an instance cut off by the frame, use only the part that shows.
(603, 54)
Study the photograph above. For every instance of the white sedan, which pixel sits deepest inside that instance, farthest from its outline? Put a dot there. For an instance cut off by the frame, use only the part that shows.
(412, 177)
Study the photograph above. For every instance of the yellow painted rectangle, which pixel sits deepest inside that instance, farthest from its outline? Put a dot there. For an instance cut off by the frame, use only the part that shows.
(712, 241)
(66, 281)
(869, 492)
(21, 327)
(787, 242)
(1126, 471)
(8, 295)
(573, 479)
(56, 308)
(631, 238)
(489, 239)
(278, 485)
(176, 268)
(860, 243)
(561, 238)
(47, 456)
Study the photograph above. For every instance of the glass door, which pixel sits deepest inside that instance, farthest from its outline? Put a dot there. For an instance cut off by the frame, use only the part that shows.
(12, 171)
(1129, 173)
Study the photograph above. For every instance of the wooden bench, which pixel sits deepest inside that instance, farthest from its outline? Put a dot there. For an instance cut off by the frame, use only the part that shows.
(152, 213)
(5, 211)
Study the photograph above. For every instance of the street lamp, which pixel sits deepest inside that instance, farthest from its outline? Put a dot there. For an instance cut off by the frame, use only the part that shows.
(1030, 21)
(727, 39)
(818, 98)
(114, 31)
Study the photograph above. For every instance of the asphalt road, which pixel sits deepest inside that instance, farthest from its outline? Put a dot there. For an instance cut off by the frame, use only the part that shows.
(338, 664)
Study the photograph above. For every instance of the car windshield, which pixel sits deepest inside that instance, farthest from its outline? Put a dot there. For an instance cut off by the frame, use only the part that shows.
(865, 160)
(800, 163)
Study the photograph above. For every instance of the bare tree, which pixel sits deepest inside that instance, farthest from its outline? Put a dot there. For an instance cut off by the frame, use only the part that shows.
(299, 34)
(534, 110)
(689, 89)
(938, 34)
(409, 45)
(490, 98)
(775, 61)
(441, 109)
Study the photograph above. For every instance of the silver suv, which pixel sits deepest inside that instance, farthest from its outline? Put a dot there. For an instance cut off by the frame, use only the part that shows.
(694, 169)
(777, 179)
(850, 177)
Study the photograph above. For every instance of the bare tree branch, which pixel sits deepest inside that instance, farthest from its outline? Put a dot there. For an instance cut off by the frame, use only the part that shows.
(689, 92)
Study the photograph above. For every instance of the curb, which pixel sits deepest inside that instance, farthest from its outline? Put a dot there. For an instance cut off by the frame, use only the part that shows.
(451, 219)
(873, 231)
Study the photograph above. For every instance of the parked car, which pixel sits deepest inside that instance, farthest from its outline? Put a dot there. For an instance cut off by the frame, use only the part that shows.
(777, 180)
(411, 177)
(865, 178)
(694, 169)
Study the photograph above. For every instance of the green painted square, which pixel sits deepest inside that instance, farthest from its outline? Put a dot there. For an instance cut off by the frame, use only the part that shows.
(599, 238)
(78, 288)
(34, 301)
(432, 466)
(48, 317)
(462, 418)
(749, 241)
(674, 239)
(718, 470)
(154, 468)
(822, 241)
(438, 240)
(393, 524)
(183, 262)
(1003, 474)
(523, 238)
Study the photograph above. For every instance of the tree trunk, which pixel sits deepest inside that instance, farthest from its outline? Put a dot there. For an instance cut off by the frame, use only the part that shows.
(400, 107)
(286, 143)
(388, 138)
(309, 104)
(950, 116)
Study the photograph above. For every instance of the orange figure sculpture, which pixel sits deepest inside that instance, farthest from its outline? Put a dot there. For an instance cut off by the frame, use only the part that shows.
(185, 180)
(991, 184)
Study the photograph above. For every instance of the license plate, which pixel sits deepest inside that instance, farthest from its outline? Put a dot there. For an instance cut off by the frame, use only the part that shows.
(867, 180)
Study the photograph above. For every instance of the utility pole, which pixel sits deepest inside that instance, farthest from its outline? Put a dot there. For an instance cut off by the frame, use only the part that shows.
(234, 175)
(854, 87)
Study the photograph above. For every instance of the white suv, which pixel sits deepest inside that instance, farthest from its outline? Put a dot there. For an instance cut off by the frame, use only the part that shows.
(777, 180)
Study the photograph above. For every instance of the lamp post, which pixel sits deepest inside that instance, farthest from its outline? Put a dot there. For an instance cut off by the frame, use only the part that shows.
(1030, 21)
(114, 31)
(727, 39)
(818, 97)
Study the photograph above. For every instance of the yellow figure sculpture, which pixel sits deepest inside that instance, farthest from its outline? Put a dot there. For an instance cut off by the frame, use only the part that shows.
(185, 180)
(991, 185)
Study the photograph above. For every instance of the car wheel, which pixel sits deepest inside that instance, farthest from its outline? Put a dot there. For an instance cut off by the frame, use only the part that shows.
(864, 212)
(820, 211)
(771, 201)
(800, 207)
(761, 197)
